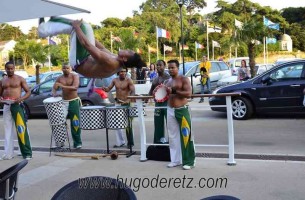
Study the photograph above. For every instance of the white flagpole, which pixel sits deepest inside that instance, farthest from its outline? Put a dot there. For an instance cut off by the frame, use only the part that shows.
(157, 43)
(148, 54)
(264, 42)
(164, 52)
(266, 51)
(235, 51)
(196, 50)
(180, 53)
(111, 42)
(208, 54)
(213, 49)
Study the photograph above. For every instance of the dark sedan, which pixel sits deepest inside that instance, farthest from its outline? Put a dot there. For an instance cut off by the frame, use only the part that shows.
(278, 90)
(34, 104)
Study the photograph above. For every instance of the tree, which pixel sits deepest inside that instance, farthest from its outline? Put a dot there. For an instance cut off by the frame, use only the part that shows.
(9, 32)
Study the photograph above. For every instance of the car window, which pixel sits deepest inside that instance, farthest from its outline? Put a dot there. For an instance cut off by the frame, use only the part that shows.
(83, 81)
(47, 86)
(192, 70)
(215, 67)
(48, 77)
(293, 71)
(223, 66)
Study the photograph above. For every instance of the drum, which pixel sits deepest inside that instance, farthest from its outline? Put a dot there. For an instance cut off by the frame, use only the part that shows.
(133, 111)
(92, 117)
(59, 133)
(55, 110)
(160, 93)
(116, 117)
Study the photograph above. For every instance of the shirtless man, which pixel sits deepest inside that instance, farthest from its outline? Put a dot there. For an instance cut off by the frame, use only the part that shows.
(181, 142)
(13, 114)
(124, 88)
(95, 60)
(69, 83)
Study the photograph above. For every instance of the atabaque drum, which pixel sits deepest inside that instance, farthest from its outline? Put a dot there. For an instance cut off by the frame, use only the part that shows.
(116, 117)
(133, 111)
(55, 110)
(92, 117)
(59, 133)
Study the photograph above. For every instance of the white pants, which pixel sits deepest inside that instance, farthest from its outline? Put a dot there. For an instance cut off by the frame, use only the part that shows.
(9, 130)
(119, 137)
(174, 137)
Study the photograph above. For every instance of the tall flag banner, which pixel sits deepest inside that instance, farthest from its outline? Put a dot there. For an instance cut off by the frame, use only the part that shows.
(214, 29)
(198, 46)
(162, 33)
(185, 47)
(270, 40)
(271, 24)
(151, 49)
(116, 38)
(215, 44)
(167, 48)
(238, 24)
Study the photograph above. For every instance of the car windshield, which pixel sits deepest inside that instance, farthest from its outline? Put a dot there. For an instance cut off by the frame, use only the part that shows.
(188, 68)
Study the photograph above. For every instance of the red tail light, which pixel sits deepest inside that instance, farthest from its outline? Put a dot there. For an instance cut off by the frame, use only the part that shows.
(101, 92)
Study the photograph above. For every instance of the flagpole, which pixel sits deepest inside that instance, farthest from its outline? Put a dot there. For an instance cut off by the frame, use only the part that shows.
(149, 54)
(157, 43)
(266, 51)
(196, 50)
(208, 54)
(230, 52)
(264, 43)
(213, 48)
(163, 52)
(179, 52)
(111, 42)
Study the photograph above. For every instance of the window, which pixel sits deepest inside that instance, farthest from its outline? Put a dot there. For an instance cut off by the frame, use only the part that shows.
(223, 66)
(47, 86)
(83, 81)
(214, 67)
(289, 72)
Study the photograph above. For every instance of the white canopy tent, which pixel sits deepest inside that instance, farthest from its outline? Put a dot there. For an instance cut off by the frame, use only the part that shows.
(17, 10)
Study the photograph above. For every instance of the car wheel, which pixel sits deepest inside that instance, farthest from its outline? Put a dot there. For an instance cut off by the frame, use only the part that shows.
(87, 103)
(242, 108)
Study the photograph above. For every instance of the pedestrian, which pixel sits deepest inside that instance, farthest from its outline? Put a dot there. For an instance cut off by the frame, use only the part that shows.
(152, 73)
(160, 113)
(141, 75)
(69, 83)
(181, 142)
(243, 72)
(205, 76)
(13, 113)
(90, 58)
(124, 88)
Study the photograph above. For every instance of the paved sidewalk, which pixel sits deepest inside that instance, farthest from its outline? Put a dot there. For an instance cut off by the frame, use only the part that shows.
(249, 179)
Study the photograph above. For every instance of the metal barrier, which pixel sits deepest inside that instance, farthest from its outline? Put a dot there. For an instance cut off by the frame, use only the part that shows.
(230, 145)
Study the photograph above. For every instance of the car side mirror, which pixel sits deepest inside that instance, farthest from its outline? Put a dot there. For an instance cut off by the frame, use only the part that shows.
(266, 80)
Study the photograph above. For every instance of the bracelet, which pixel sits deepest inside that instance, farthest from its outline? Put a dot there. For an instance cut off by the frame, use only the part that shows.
(174, 91)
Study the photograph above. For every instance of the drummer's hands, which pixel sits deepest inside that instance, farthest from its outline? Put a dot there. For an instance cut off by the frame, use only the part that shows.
(76, 23)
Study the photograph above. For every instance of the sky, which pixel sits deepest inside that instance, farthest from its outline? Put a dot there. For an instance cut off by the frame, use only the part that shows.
(102, 9)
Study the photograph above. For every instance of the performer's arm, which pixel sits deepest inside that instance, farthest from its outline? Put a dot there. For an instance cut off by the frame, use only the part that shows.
(25, 87)
(131, 87)
(101, 47)
(107, 89)
(186, 90)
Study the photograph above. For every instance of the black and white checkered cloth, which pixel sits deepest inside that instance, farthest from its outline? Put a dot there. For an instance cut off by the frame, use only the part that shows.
(116, 118)
(59, 133)
(55, 112)
(91, 119)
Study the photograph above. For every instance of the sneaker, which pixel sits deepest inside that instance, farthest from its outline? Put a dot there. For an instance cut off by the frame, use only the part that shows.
(6, 157)
(187, 167)
(201, 101)
(171, 165)
(78, 147)
(28, 158)
(118, 146)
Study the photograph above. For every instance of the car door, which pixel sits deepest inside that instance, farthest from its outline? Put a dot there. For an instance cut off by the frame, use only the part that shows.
(215, 74)
(284, 90)
(39, 93)
(194, 76)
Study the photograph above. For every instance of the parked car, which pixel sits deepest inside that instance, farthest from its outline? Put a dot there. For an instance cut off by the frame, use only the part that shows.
(283, 60)
(34, 104)
(235, 63)
(279, 90)
(219, 69)
(31, 81)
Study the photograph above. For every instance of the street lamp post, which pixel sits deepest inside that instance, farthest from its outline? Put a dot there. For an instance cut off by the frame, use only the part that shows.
(180, 3)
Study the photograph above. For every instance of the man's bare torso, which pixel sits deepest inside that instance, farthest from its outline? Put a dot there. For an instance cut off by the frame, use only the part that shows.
(122, 88)
(176, 101)
(12, 87)
(68, 94)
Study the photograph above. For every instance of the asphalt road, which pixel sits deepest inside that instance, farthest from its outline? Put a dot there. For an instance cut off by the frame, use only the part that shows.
(262, 136)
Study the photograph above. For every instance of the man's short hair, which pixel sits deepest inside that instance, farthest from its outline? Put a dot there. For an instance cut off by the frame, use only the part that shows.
(135, 61)
(9, 63)
(174, 61)
(162, 62)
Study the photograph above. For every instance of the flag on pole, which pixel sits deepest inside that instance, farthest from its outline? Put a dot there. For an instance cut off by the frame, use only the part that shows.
(185, 47)
(162, 33)
(215, 44)
(116, 38)
(198, 46)
(167, 48)
(271, 24)
(270, 40)
(214, 29)
(238, 24)
(151, 49)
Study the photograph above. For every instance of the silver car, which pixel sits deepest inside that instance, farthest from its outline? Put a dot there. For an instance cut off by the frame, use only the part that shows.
(34, 104)
(31, 81)
(219, 70)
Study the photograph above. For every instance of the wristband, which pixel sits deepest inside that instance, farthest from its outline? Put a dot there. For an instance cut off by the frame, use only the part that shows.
(174, 91)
